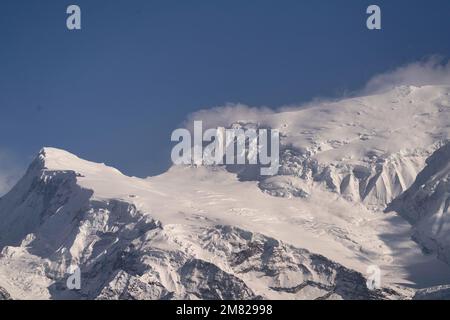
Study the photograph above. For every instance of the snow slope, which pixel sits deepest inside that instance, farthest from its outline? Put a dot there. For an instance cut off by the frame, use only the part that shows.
(426, 204)
(220, 232)
(368, 149)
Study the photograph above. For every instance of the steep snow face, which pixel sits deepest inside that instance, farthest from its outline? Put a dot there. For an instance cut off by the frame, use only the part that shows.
(356, 129)
(369, 149)
(38, 196)
(228, 263)
(374, 182)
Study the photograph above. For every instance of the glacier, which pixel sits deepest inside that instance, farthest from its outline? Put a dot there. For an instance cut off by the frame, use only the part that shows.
(362, 182)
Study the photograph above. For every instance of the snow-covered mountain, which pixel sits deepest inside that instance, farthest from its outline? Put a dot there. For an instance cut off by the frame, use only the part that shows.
(351, 172)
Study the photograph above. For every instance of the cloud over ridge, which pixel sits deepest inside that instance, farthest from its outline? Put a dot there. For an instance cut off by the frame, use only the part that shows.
(433, 70)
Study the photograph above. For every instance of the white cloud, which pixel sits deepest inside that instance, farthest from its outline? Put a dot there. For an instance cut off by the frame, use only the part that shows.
(226, 115)
(431, 71)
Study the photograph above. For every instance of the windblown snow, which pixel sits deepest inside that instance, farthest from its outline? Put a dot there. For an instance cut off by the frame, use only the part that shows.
(363, 182)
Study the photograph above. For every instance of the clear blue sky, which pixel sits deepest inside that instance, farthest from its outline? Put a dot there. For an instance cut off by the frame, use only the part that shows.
(115, 90)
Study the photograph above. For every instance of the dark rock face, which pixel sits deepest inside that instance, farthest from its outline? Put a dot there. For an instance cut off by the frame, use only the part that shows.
(434, 293)
(4, 295)
(426, 204)
(207, 281)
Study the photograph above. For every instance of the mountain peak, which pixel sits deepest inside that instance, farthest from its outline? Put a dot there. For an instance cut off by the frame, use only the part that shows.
(311, 231)
(55, 159)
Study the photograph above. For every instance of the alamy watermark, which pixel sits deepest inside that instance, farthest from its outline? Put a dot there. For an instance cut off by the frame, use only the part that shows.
(219, 146)
(374, 20)
(74, 280)
(73, 21)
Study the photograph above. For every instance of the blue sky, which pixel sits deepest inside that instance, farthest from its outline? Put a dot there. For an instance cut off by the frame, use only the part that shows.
(114, 91)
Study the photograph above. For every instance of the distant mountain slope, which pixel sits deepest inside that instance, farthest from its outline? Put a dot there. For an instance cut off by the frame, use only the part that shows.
(369, 149)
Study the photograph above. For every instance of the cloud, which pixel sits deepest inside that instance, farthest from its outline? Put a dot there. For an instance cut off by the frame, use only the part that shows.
(431, 71)
(10, 171)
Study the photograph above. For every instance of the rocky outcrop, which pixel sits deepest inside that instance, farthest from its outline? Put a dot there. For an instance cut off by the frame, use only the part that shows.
(4, 295)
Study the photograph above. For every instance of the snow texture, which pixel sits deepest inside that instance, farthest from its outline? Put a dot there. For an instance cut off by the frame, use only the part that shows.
(362, 182)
